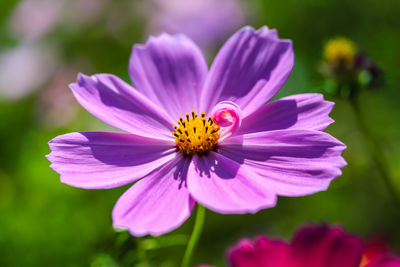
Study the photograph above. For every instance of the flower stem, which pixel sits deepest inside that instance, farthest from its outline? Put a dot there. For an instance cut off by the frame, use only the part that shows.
(194, 238)
(376, 151)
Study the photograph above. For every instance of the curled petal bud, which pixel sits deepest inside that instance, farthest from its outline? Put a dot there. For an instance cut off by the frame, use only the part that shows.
(228, 116)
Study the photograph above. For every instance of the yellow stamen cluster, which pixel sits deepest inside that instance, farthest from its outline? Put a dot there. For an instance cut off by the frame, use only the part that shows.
(340, 50)
(196, 134)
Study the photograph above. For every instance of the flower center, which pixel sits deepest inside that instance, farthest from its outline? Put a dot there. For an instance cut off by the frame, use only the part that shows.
(340, 50)
(196, 134)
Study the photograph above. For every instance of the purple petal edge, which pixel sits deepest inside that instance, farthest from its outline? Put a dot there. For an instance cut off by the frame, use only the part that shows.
(100, 160)
(156, 204)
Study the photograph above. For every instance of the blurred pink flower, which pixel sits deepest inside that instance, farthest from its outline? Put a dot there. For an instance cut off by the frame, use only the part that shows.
(311, 246)
(80, 12)
(29, 66)
(57, 106)
(25, 69)
(207, 22)
(33, 19)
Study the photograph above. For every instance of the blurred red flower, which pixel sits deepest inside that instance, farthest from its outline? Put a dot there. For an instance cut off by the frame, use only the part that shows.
(312, 246)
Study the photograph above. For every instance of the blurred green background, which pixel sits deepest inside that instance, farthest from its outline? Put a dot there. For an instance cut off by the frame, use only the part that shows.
(46, 223)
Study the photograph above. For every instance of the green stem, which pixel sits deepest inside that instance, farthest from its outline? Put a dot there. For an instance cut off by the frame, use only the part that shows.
(194, 238)
(141, 254)
(377, 153)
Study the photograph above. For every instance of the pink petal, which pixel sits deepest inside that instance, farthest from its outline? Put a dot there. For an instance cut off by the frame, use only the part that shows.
(225, 186)
(260, 253)
(388, 261)
(96, 160)
(375, 248)
(117, 103)
(249, 69)
(293, 162)
(304, 111)
(316, 246)
(158, 203)
(170, 70)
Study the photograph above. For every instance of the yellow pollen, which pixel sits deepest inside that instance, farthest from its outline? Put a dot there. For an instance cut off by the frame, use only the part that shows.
(196, 134)
(340, 50)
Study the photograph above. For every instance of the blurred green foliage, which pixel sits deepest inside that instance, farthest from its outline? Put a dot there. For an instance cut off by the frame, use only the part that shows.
(46, 223)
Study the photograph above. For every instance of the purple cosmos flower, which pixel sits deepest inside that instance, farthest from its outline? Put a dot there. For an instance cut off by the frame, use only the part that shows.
(312, 246)
(257, 151)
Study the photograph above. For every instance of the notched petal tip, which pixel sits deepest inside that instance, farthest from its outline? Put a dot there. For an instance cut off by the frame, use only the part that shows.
(163, 37)
(156, 204)
(82, 79)
(120, 223)
(265, 32)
